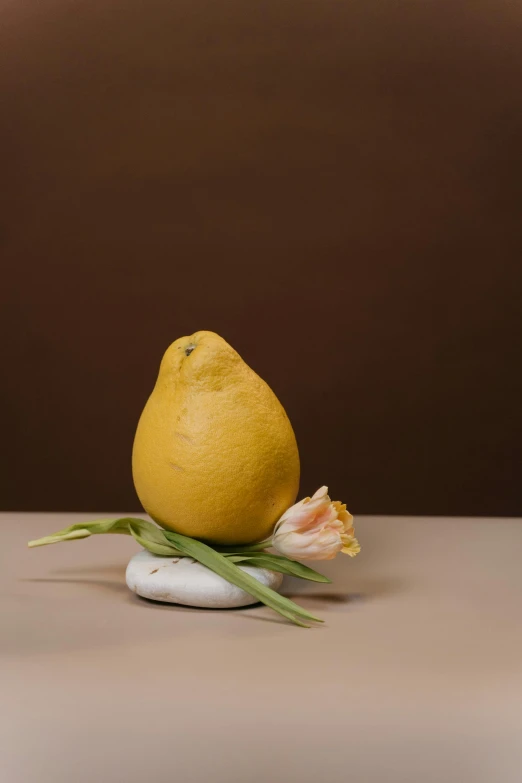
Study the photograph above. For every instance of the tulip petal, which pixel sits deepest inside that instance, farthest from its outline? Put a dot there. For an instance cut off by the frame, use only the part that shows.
(352, 548)
(316, 528)
(322, 492)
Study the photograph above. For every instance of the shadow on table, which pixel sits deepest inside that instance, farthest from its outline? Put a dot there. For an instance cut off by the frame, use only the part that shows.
(113, 580)
(74, 576)
(358, 591)
(104, 584)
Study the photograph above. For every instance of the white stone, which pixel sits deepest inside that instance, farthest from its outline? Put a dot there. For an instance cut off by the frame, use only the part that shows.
(185, 581)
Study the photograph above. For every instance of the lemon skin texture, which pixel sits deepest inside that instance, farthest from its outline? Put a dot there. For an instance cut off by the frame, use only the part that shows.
(214, 455)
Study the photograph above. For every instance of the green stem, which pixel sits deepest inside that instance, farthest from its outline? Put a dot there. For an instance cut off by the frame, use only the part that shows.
(226, 569)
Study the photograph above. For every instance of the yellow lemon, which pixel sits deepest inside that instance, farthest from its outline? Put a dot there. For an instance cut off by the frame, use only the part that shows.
(214, 456)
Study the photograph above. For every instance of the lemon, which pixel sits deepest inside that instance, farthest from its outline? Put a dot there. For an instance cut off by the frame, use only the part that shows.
(214, 456)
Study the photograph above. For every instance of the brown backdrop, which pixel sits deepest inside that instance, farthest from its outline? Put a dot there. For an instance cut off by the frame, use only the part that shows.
(333, 186)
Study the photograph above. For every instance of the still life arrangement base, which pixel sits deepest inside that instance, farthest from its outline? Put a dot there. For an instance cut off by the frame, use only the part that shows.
(185, 581)
(215, 463)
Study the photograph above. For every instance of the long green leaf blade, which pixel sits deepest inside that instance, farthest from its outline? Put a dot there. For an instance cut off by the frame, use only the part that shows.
(153, 539)
(282, 564)
(229, 571)
(84, 530)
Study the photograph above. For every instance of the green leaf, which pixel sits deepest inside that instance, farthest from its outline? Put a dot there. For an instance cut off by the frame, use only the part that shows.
(223, 566)
(280, 563)
(146, 534)
(84, 530)
(152, 538)
(166, 543)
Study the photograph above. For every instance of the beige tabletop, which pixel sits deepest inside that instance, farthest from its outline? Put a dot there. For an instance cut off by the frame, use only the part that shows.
(416, 676)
